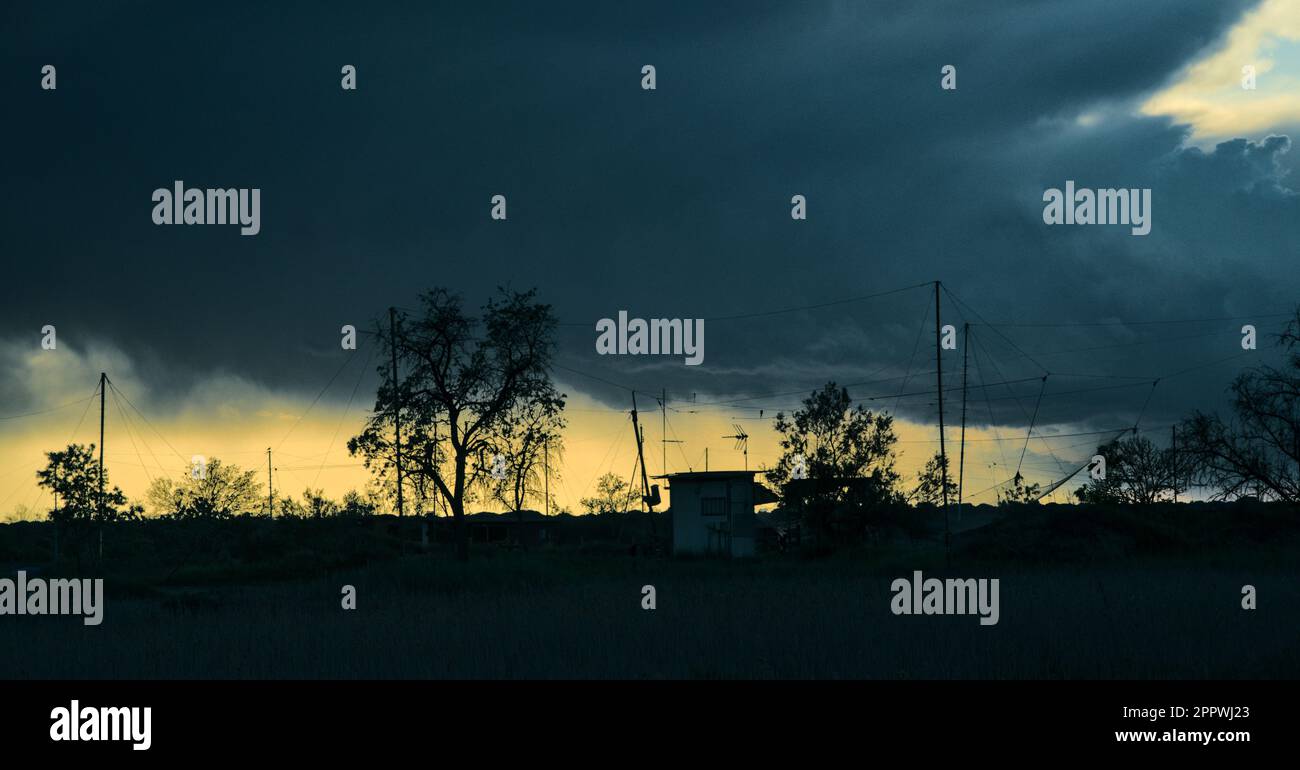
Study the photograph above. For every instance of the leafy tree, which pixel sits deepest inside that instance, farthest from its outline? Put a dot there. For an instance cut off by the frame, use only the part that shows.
(221, 491)
(316, 505)
(73, 476)
(24, 512)
(529, 432)
(838, 442)
(289, 507)
(933, 481)
(611, 495)
(845, 455)
(460, 379)
(420, 496)
(356, 505)
(1137, 472)
(1019, 492)
(1257, 451)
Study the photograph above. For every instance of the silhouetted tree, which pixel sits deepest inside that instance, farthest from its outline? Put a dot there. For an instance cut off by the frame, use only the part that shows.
(460, 379)
(1257, 451)
(73, 475)
(1137, 472)
(931, 482)
(531, 429)
(316, 505)
(611, 495)
(24, 512)
(355, 505)
(847, 457)
(289, 507)
(222, 490)
(1019, 492)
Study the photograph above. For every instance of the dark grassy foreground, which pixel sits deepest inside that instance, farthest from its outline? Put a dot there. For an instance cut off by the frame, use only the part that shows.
(1100, 596)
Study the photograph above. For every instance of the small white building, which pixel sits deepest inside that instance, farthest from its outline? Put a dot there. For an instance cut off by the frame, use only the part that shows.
(713, 511)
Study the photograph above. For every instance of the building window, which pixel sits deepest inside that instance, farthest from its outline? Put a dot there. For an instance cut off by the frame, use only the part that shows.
(713, 506)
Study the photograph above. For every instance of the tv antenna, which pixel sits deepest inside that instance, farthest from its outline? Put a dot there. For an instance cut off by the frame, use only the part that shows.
(742, 441)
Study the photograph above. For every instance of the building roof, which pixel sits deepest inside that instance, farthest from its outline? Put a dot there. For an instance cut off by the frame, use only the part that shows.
(707, 475)
(762, 495)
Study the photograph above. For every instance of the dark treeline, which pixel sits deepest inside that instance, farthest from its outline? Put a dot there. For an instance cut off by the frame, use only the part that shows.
(468, 404)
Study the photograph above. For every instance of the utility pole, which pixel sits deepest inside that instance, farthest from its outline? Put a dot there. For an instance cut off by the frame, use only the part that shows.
(706, 459)
(961, 462)
(103, 380)
(397, 407)
(943, 454)
(639, 433)
(645, 497)
(546, 470)
(270, 487)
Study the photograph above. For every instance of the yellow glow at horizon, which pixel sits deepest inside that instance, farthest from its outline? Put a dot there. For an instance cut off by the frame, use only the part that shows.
(598, 440)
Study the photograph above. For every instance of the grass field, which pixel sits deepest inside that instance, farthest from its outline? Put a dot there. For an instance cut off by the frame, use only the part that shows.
(575, 613)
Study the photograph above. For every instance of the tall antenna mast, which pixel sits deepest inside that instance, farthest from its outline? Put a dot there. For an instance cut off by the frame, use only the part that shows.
(943, 454)
(663, 407)
(663, 433)
(103, 380)
(961, 462)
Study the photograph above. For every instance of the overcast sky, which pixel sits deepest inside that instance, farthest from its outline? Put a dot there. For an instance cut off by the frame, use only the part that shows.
(666, 203)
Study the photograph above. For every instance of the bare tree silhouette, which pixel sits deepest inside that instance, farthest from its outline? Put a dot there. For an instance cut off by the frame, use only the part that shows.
(1257, 451)
(1137, 472)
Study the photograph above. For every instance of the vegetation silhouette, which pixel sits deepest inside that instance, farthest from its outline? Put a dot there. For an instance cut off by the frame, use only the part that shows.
(466, 386)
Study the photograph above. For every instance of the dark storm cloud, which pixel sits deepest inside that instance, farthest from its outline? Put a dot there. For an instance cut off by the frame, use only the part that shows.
(673, 203)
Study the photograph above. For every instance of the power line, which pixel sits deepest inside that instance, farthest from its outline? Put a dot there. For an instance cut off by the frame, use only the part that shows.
(733, 401)
(795, 309)
(974, 312)
(817, 306)
(343, 416)
(993, 362)
(146, 422)
(1138, 323)
(1032, 420)
(916, 344)
(51, 409)
(1017, 438)
(598, 379)
(126, 422)
(333, 377)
